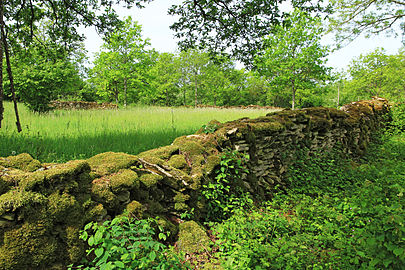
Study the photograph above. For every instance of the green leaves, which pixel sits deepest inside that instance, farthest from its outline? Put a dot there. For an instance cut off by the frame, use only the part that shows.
(124, 243)
(293, 59)
(224, 195)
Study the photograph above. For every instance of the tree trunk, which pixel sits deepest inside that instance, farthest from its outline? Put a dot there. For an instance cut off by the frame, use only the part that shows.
(1, 72)
(195, 92)
(9, 72)
(338, 97)
(293, 95)
(125, 92)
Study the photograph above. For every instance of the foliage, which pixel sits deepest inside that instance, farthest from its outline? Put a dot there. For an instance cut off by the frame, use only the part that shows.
(123, 62)
(24, 18)
(378, 74)
(125, 243)
(224, 195)
(353, 18)
(293, 59)
(337, 214)
(237, 27)
(42, 75)
(397, 124)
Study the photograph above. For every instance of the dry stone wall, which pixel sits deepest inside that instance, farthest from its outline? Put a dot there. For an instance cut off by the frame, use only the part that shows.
(81, 105)
(44, 206)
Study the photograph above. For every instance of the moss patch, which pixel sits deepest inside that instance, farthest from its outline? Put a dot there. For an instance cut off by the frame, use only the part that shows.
(192, 238)
(111, 162)
(22, 162)
(124, 180)
(150, 180)
(177, 161)
(135, 209)
(15, 199)
(164, 152)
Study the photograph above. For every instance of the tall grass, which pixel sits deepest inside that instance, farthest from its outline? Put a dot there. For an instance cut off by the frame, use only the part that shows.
(64, 135)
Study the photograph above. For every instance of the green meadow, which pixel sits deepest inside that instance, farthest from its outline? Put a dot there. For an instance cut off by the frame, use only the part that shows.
(64, 135)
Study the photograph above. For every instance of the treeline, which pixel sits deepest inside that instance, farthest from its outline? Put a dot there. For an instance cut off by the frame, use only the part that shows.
(128, 71)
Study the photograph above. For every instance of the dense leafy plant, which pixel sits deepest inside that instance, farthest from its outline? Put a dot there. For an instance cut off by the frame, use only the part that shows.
(224, 195)
(126, 243)
(398, 118)
(336, 215)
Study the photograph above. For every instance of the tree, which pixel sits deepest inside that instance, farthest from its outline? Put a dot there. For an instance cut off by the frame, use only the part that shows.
(123, 61)
(378, 74)
(294, 58)
(164, 81)
(354, 17)
(232, 26)
(41, 77)
(21, 18)
(193, 66)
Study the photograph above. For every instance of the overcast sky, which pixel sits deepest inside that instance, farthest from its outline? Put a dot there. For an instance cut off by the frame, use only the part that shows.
(155, 24)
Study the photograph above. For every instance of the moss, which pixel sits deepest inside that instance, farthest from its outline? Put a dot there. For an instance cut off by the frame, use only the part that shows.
(180, 200)
(181, 207)
(32, 181)
(97, 212)
(101, 193)
(15, 199)
(164, 152)
(76, 248)
(189, 146)
(177, 161)
(64, 208)
(29, 246)
(22, 161)
(150, 180)
(124, 180)
(180, 197)
(66, 171)
(111, 162)
(135, 209)
(192, 238)
(268, 126)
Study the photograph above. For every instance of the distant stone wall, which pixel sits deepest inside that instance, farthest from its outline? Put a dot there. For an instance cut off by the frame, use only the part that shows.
(81, 105)
(44, 206)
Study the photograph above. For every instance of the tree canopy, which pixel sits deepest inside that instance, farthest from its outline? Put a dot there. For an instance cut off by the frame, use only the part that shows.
(294, 59)
(354, 17)
(232, 26)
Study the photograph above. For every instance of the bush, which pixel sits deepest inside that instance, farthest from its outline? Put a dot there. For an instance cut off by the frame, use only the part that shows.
(336, 215)
(125, 243)
(224, 195)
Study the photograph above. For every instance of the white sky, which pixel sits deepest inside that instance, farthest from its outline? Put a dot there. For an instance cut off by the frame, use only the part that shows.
(155, 24)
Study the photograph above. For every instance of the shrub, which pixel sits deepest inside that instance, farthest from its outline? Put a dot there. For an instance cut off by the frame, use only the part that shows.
(224, 195)
(126, 243)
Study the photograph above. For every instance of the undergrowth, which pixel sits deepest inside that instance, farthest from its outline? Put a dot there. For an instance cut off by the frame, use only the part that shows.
(337, 214)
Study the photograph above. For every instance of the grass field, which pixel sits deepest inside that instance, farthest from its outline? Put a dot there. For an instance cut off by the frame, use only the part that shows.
(65, 135)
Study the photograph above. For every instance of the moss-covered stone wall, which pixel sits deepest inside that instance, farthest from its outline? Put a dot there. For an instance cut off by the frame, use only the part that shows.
(44, 206)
